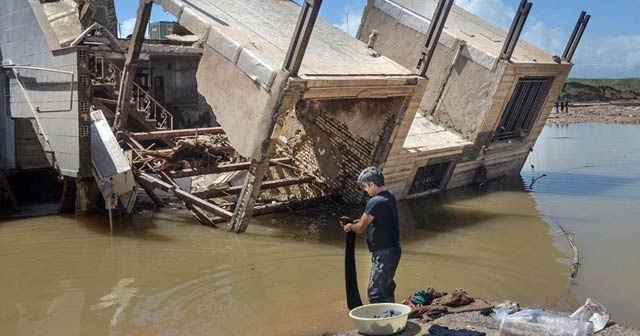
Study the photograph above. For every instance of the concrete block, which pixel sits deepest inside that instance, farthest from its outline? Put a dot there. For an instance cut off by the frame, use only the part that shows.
(174, 7)
(68, 163)
(63, 127)
(256, 69)
(414, 21)
(64, 144)
(21, 110)
(224, 45)
(389, 8)
(480, 57)
(194, 22)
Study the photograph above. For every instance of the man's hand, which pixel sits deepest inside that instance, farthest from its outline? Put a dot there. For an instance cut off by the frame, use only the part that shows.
(344, 220)
(347, 227)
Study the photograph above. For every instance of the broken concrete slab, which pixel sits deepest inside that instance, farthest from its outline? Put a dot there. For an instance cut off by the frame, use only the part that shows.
(424, 135)
(461, 24)
(64, 20)
(245, 47)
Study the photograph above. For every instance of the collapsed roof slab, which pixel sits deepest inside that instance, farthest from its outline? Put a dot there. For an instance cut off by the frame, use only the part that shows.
(245, 44)
(465, 122)
(484, 40)
(63, 17)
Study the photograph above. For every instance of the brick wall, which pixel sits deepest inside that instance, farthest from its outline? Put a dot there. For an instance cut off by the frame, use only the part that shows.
(354, 156)
(337, 139)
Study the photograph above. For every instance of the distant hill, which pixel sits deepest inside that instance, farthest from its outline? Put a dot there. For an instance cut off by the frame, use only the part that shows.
(600, 90)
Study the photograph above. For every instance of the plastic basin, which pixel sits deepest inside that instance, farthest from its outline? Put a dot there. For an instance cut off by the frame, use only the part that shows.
(363, 317)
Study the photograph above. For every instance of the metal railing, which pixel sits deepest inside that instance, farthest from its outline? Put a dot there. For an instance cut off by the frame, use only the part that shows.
(109, 74)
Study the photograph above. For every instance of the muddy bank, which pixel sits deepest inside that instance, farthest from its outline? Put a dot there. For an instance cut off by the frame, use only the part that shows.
(477, 322)
(620, 112)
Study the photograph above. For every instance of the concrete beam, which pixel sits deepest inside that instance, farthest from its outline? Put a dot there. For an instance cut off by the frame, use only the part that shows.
(142, 136)
(290, 95)
(220, 169)
(263, 186)
(185, 196)
(131, 64)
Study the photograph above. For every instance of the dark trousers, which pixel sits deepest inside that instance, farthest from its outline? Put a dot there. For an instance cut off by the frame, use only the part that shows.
(383, 268)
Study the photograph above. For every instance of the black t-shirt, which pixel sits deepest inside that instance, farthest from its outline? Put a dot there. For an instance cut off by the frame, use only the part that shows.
(383, 232)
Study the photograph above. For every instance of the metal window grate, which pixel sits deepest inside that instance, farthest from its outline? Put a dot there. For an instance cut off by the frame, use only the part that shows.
(429, 177)
(523, 107)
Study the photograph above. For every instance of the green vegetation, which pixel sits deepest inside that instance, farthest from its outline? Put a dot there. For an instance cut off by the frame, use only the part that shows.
(600, 90)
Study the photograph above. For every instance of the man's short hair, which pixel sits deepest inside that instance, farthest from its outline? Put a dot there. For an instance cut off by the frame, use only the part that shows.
(371, 174)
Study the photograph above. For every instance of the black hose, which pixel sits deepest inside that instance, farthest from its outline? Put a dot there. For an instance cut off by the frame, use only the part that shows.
(350, 275)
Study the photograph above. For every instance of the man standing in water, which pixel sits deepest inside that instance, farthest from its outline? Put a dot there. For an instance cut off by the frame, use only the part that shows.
(380, 221)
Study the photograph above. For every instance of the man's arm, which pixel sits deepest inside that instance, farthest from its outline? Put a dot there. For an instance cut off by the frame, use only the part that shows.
(359, 225)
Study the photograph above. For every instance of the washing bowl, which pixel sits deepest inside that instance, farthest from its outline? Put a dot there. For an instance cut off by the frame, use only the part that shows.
(367, 324)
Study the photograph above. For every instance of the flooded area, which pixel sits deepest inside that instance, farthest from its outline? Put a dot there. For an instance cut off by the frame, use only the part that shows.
(592, 189)
(163, 274)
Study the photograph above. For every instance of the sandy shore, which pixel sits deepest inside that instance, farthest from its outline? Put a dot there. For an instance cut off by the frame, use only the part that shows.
(623, 112)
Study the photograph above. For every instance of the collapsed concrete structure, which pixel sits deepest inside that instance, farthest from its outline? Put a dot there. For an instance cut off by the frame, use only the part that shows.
(263, 106)
(488, 98)
(60, 60)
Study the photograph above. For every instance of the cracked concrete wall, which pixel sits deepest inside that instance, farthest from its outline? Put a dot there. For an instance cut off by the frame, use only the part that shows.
(458, 99)
(245, 121)
(467, 97)
(404, 46)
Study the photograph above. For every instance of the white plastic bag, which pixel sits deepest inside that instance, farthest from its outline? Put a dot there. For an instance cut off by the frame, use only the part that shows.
(593, 312)
(540, 322)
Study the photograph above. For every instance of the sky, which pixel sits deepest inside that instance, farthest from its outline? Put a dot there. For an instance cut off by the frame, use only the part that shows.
(610, 47)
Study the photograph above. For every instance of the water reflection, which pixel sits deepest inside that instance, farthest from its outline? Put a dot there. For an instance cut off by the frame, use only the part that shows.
(283, 277)
(592, 189)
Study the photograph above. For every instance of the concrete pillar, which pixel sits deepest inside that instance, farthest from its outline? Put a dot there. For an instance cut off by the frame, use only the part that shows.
(249, 195)
(87, 194)
(291, 94)
(7, 130)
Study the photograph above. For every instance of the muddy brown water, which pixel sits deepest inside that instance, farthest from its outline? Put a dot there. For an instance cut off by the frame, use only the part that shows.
(162, 274)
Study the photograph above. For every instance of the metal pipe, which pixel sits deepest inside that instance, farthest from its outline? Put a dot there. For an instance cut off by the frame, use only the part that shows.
(153, 135)
(507, 39)
(433, 34)
(35, 115)
(95, 25)
(573, 35)
(37, 108)
(519, 27)
(221, 168)
(301, 36)
(577, 38)
(516, 29)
